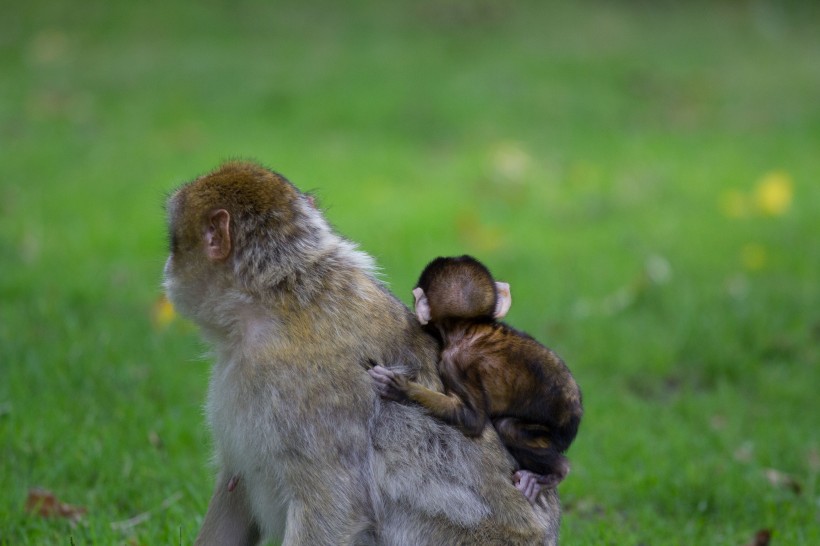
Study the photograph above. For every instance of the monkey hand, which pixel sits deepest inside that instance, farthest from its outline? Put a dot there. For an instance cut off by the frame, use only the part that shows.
(389, 384)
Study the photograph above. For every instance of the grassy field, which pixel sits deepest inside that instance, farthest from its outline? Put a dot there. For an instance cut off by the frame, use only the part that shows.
(646, 175)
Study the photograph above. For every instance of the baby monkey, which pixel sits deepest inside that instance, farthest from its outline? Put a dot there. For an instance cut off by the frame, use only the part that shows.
(492, 372)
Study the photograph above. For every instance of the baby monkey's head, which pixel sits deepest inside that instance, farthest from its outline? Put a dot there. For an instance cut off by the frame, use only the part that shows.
(459, 288)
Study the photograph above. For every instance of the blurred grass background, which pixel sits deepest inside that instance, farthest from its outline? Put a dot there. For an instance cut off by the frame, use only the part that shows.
(645, 174)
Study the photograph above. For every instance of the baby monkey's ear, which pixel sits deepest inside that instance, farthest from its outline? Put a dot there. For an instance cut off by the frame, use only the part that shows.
(422, 306)
(504, 300)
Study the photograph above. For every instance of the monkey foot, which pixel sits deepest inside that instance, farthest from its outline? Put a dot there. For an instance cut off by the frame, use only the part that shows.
(531, 484)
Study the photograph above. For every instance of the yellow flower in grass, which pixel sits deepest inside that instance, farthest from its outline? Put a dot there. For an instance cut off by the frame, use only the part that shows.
(773, 194)
(164, 313)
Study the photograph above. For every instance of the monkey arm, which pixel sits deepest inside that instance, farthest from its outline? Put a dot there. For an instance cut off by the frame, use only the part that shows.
(451, 409)
(459, 411)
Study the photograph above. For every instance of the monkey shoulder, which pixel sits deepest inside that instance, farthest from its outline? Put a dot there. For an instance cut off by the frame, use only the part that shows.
(522, 344)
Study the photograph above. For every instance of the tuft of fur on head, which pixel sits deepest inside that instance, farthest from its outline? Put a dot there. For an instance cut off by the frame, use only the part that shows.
(458, 288)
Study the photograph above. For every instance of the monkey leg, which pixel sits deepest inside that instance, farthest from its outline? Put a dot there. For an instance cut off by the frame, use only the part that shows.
(228, 520)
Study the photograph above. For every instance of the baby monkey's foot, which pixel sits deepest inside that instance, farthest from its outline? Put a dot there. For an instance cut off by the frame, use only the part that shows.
(531, 484)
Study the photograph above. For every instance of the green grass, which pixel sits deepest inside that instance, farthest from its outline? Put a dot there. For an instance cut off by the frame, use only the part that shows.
(570, 148)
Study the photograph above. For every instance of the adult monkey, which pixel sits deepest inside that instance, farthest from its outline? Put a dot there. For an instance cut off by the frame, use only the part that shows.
(304, 445)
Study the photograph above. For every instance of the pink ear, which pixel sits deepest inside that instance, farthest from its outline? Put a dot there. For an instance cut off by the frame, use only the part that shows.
(504, 301)
(422, 306)
(218, 236)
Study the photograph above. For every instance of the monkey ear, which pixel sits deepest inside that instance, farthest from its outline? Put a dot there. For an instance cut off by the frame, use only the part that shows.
(504, 301)
(218, 236)
(422, 306)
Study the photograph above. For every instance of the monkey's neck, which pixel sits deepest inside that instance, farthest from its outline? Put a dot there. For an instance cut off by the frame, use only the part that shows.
(238, 320)
(454, 331)
(300, 272)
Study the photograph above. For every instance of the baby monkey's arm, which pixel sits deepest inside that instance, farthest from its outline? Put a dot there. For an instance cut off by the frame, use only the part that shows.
(461, 412)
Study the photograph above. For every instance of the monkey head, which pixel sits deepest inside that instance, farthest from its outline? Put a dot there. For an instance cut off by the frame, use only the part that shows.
(237, 231)
(459, 288)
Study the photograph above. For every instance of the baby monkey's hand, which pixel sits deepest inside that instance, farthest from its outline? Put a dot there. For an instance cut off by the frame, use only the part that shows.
(389, 384)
